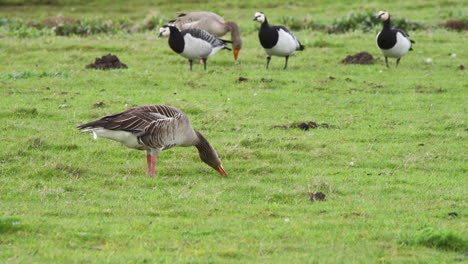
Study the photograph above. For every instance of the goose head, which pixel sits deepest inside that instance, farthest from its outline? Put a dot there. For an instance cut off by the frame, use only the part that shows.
(208, 154)
(260, 17)
(213, 160)
(164, 31)
(383, 15)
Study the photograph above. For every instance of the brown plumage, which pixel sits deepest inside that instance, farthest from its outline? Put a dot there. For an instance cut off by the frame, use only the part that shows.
(212, 23)
(154, 128)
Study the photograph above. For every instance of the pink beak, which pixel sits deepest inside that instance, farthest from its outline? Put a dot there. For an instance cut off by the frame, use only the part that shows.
(221, 170)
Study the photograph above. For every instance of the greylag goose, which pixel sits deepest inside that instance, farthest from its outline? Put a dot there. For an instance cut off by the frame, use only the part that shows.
(276, 40)
(154, 128)
(213, 24)
(392, 42)
(193, 43)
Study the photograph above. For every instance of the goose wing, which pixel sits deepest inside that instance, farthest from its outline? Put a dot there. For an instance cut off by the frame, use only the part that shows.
(299, 46)
(203, 35)
(137, 120)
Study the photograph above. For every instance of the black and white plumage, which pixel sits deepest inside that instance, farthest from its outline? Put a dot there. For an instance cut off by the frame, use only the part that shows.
(193, 43)
(392, 42)
(153, 128)
(276, 40)
(213, 24)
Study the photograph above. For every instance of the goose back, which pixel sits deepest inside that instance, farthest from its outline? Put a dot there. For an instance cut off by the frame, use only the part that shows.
(144, 127)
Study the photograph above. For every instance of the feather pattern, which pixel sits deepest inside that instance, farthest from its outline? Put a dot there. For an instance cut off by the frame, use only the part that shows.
(212, 23)
(153, 128)
(203, 35)
(193, 43)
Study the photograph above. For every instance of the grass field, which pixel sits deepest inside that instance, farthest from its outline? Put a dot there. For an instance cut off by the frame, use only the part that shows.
(392, 162)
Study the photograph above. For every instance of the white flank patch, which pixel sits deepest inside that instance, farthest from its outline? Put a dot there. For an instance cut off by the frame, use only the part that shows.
(401, 47)
(285, 46)
(196, 48)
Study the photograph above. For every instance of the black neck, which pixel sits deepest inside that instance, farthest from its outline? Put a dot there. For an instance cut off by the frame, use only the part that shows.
(176, 40)
(387, 24)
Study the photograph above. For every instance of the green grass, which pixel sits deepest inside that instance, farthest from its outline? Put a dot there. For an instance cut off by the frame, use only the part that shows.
(392, 163)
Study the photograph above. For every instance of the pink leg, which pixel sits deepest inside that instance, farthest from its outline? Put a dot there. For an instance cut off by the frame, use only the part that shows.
(151, 161)
(148, 162)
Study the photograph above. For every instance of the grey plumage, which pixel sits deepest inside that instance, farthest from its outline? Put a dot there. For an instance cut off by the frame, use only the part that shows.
(153, 128)
(213, 24)
(202, 34)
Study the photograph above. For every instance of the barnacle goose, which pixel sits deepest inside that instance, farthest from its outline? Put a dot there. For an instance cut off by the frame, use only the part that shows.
(392, 42)
(193, 43)
(276, 40)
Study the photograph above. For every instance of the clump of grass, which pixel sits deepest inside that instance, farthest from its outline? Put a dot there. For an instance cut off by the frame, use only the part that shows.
(294, 23)
(430, 237)
(18, 75)
(35, 143)
(67, 26)
(28, 74)
(26, 112)
(9, 225)
(366, 21)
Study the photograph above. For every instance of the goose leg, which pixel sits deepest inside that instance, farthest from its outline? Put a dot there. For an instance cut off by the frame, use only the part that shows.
(397, 62)
(386, 61)
(190, 63)
(151, 162)
(204, 63)
(286, 63)
(268, 61)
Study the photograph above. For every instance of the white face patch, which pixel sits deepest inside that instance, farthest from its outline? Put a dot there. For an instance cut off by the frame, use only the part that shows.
(383, 15)
(164, 31)
(260, 17)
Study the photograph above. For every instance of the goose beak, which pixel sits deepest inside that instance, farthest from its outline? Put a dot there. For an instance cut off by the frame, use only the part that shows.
(236, 53)
(254, 19)
(220, 169)
(160, 35)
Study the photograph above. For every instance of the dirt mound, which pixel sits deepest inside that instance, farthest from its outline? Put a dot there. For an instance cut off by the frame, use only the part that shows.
(359, 58)
(319, 196)
(455, 25)
(304, 125)
(107, 62)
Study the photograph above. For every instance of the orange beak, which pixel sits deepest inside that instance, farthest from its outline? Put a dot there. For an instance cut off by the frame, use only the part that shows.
(220, 169)
(236, 53)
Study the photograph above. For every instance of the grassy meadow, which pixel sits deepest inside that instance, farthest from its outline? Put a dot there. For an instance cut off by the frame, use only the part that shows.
(391, 162)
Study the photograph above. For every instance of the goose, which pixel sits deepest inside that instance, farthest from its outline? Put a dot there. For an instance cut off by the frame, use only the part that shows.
(213, 24)
(193, 43)
(276, 40)
(392, 42)
(154, 128)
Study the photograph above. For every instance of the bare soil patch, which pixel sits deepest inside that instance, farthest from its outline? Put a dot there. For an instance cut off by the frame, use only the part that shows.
(359, 58)
(107, 62)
